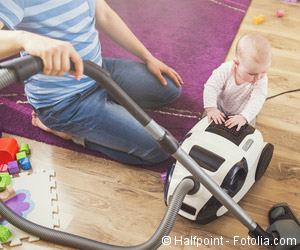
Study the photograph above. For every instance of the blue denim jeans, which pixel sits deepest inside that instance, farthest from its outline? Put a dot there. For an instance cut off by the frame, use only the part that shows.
(104, 125)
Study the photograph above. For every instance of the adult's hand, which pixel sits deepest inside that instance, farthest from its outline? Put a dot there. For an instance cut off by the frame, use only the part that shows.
(56, 54)
(156, 67)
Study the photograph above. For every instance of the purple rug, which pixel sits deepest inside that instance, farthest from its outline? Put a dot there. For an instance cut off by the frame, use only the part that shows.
(191, 36)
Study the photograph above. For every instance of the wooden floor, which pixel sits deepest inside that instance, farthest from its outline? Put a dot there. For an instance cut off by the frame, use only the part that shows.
(123, 205)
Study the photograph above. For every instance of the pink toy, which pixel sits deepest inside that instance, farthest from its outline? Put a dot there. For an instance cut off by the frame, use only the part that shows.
(279, 13)
(8, 149)
(3, 168)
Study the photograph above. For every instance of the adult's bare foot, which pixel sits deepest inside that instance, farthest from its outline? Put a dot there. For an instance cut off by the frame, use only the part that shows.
(37, 123)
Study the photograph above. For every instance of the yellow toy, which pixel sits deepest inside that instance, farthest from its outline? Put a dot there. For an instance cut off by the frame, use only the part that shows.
(258, 19)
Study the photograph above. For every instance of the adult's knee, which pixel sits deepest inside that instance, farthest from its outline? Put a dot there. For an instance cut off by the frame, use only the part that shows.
(172, 91)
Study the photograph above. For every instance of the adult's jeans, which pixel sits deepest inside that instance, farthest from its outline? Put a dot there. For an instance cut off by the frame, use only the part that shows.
(105, 126)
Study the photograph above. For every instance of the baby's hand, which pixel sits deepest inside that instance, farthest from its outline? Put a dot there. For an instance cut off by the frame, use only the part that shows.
(216, 115)
(238, 120)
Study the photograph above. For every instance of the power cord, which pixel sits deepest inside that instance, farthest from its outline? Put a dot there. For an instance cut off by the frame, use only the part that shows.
(289, 91)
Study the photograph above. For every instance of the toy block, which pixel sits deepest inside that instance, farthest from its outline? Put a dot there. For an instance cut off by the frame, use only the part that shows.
(3, 168)
(20, 155)
(8, 149)
(4, 181)
(8, 193)
(258, 19)
(4, 233)
(279, 13)
(24, 147)
(13, 167)
(25, 163)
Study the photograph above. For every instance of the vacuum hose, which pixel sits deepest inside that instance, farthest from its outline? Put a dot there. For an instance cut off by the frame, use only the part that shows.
(7, 76)
(20, 70)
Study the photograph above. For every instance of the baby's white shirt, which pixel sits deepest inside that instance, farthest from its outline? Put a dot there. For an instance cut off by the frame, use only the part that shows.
(246, 99)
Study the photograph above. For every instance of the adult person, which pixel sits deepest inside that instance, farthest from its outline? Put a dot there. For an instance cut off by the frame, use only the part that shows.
(78, 108)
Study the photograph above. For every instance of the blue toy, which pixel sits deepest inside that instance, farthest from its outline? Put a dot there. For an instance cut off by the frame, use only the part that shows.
(25, 163)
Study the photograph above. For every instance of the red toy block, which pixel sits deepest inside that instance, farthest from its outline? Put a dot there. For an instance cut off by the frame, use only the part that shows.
(8, 149)
(279, 13)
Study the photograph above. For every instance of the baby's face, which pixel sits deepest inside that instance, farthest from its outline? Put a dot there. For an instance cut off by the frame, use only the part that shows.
(251, 71)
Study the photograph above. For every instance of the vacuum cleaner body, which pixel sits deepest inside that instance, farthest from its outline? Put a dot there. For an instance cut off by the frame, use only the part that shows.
(235, 160)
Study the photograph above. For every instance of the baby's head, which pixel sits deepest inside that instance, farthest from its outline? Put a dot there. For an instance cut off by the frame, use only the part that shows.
(253, 57)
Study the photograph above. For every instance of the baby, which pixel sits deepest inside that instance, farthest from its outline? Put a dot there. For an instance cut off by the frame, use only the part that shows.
(238, 88)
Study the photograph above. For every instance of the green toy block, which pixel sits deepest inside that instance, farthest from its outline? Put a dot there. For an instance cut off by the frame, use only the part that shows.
(20, 155)
(24, 147)
(4, 233)
(4, 181)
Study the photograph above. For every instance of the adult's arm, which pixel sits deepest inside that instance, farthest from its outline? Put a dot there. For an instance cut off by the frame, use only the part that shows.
(114, 27)
(10, 43)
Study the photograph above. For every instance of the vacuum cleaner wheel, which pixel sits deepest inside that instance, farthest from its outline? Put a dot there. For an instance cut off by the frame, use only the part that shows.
(264, 160)
(281, 211)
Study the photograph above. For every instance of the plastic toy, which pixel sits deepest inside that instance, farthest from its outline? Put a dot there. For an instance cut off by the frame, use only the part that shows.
(4, 181)
(13, 167)
(4, 233)
(279, 13)
(258, 19)
(25, 163)
(8, 149)
(39, 188)
(8, 193)
(20, 155)
(3, 168)
(24, 147)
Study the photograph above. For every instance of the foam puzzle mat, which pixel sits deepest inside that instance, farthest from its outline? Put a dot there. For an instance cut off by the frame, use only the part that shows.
(36, 201)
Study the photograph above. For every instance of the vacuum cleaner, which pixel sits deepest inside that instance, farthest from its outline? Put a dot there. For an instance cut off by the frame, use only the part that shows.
(235, 160)
(283, 223)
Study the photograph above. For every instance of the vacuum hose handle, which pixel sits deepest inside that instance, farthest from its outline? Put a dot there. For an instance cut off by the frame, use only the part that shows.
(24, 67)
